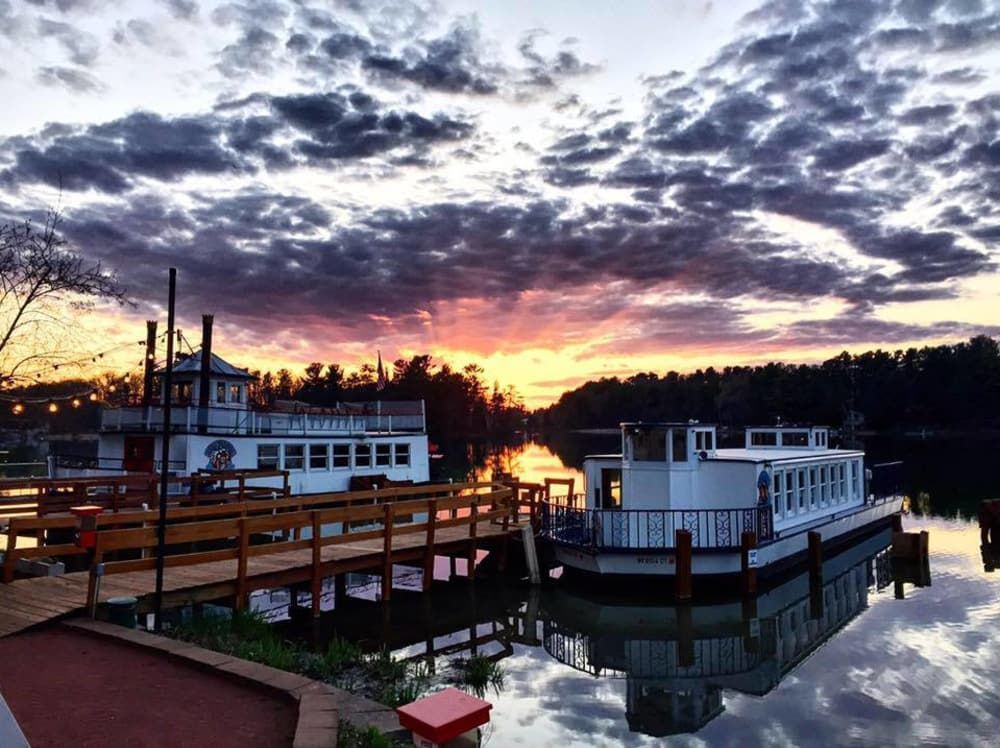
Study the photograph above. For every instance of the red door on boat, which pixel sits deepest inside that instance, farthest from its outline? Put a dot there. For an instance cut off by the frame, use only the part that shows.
(138, 455)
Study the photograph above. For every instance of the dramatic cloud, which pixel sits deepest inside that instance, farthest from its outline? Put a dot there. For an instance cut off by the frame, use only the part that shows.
(393, 169)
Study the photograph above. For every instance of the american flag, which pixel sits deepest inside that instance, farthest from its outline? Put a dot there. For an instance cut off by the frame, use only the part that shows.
(380, 382)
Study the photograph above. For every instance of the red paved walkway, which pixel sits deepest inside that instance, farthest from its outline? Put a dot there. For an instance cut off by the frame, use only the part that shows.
(69, 689)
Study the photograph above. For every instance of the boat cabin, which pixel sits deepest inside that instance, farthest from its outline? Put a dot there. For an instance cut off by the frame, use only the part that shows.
(679, 466)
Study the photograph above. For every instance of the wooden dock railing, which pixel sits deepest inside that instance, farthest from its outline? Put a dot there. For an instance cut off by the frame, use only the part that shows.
(469, 511)
(40, 527)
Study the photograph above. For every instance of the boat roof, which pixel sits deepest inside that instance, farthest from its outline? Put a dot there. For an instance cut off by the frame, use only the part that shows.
(776, 454)
(665, 424)
(192, 365)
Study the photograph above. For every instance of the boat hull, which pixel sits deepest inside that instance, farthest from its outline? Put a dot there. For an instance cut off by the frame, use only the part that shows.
(783, 552)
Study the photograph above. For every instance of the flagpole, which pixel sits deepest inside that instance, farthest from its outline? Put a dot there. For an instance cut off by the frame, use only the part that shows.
(161, 526)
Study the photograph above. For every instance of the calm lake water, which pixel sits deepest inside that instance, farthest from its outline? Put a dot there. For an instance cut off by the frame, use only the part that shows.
(870, 660)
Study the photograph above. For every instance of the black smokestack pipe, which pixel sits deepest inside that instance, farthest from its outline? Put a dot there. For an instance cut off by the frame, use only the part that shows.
(150, 364)
(206, 372)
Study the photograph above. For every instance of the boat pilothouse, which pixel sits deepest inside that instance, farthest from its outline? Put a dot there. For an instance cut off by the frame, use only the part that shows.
(784, 481)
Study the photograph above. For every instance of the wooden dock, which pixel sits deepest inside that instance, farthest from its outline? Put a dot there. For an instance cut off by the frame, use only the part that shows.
(376, 537)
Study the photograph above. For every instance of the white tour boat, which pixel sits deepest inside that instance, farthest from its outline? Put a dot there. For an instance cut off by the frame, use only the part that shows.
(672, 476)
(321, 448)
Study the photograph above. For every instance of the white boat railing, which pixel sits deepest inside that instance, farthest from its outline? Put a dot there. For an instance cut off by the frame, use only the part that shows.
(654, 529)
(192, 419)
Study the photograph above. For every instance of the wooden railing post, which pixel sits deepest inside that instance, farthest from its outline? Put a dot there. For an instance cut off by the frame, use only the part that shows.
(286, 488)
(94, 579)
(10, 562)
(387, 552)
(242, 486)
(429, 548)
(473, 530)
(317, 560)
(241, 566)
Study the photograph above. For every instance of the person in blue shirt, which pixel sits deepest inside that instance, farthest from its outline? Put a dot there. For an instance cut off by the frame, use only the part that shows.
(764, 484)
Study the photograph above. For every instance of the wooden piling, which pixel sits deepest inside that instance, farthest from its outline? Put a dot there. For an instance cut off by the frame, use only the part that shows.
(316, 581)
(748, 573)
(429, 547)
(339, 589)
(685, 638)
(473, 528)
(241, 567)
(682, 586)
(387, 553)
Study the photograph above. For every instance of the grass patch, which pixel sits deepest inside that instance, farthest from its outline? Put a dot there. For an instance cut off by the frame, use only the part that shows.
(349, 736)
(479, 673)
(249, 636)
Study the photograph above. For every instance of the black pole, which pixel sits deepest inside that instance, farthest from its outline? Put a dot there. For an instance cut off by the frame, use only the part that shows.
(161, 527)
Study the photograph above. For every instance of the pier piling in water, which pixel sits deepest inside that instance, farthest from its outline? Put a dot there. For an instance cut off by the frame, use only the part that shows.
(682, 586)
(748, 563)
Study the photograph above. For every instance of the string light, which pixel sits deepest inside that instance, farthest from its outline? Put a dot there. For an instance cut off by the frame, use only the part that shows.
(92, 397)
(53, 407)
(76, 402)
(18, 409)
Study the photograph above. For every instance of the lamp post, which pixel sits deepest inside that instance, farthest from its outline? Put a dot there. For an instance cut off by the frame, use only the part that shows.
(161, 527)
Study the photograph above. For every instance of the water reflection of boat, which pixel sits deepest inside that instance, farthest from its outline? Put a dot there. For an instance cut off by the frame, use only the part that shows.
(678, 659)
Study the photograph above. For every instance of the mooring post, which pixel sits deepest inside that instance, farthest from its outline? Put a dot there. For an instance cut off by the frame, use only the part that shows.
(682, 587)
(339, 589)
(748, 563)
(531, 554)
(685, 639)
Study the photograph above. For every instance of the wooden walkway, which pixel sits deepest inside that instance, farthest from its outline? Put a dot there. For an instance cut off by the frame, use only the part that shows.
(203, 576)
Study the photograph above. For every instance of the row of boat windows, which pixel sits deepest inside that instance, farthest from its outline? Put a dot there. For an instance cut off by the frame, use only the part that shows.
(339, 456)
(803, 489)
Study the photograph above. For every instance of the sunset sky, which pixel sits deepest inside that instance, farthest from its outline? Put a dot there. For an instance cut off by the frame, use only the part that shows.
(557, 190)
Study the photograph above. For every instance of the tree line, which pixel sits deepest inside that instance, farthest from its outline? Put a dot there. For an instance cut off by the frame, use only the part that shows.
(936, 387)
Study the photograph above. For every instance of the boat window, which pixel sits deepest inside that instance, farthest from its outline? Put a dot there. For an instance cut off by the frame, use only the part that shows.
(649, 446)
(363, 455)
(181, 393)
(763, 439)
(803, 488)
(789, 489)
(318, 459)
(341, 456)
(235, 393)
(267, 456)
(824, 487)
(402, 455)
(383, 455)
(812, 487)
(220, 392)
(679, 445)
(703, 441)
(794, 439)
(777, 491)
(843, 484)
(611, 488)
(854, 478)
(294, 456)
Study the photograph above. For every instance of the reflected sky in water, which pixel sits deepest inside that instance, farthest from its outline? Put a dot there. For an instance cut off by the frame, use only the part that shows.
(923, 670)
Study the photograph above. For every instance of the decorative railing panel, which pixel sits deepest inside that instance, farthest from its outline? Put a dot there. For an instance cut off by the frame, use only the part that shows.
(654, 529)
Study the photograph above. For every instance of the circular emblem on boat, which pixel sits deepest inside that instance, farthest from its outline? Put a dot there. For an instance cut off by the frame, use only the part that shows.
(220, 454)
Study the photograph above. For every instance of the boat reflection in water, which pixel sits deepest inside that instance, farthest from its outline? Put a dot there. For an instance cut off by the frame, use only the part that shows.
(677, 660)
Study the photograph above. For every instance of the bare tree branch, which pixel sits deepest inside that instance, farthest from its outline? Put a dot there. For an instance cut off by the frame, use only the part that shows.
(37, 271)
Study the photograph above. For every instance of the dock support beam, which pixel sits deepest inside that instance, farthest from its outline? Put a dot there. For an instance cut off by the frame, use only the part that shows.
(748, 571)
(682, 586)
(531, 554)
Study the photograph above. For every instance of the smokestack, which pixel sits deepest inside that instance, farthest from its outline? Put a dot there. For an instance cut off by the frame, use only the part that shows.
(150, 364)
(206, 372)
